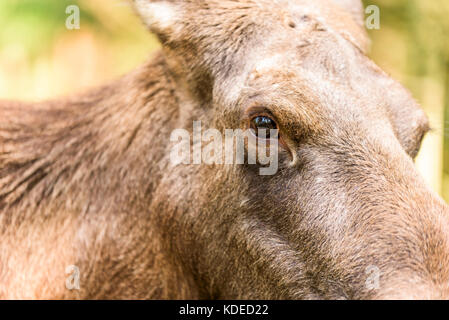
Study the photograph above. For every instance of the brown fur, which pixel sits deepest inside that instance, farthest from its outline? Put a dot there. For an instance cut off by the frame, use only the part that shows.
(87, 181)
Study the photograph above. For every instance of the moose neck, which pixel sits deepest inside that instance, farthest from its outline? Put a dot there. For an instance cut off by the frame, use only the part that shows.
(106, 151)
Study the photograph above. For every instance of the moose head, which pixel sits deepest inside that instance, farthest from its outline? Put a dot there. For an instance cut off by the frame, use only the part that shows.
(347, 202)
(89, 181)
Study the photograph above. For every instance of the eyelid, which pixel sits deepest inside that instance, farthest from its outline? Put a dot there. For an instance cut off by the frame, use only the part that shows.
(259, 111)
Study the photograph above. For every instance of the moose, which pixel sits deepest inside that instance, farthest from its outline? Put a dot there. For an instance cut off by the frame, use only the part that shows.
(86, 182)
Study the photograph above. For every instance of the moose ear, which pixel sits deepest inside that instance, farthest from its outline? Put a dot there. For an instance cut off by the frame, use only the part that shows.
(163, 17)
(354, 7)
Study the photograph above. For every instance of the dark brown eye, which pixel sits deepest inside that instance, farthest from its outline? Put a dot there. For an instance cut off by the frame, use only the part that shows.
(261, 124)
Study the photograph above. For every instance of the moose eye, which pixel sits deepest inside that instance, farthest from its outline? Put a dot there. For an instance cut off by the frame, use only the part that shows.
(260, 124)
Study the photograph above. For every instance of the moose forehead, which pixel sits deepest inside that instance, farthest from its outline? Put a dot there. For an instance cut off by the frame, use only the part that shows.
(311, 67)
(315, 40)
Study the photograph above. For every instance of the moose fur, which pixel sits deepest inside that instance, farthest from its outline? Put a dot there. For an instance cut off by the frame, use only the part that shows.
(87, 181)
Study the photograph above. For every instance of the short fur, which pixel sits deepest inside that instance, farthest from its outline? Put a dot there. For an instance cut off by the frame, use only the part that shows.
(87, 181)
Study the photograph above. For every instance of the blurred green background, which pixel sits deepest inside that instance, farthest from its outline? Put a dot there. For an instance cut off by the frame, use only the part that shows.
(40, 58)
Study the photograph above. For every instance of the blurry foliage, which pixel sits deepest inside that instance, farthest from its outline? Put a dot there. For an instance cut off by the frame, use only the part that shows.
(41, 58)
(412, 45)
(37, 24)
(422, 26)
